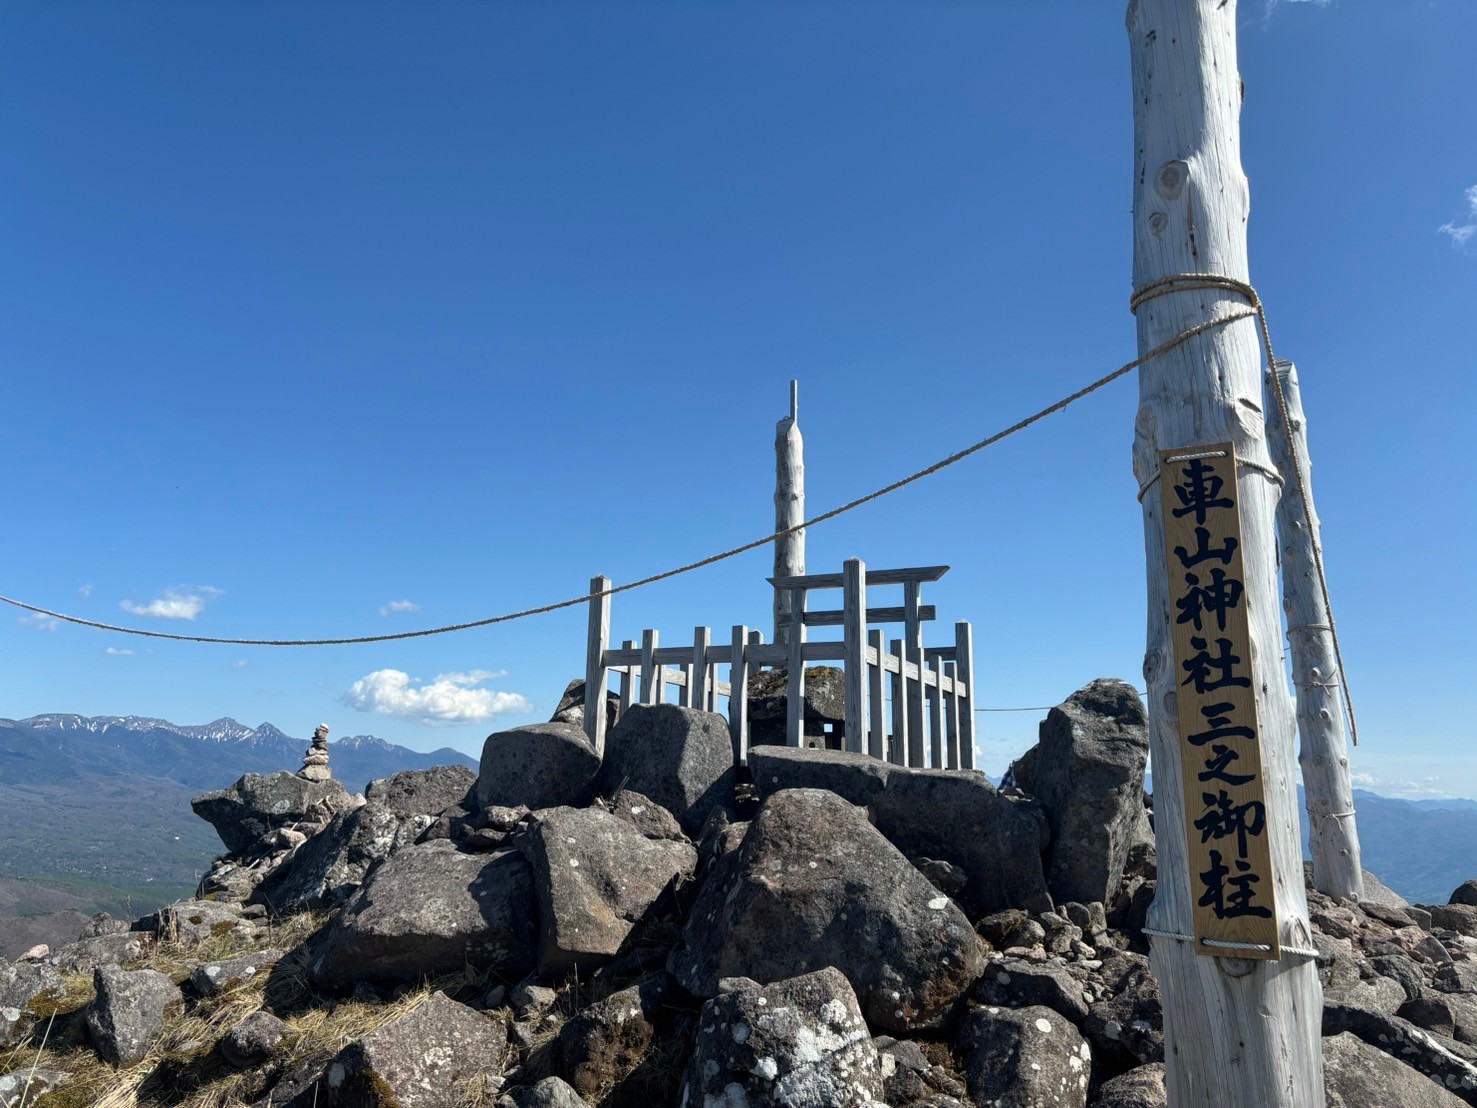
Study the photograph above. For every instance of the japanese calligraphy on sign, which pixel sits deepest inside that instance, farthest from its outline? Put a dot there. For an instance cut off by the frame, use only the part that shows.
(1220, 743)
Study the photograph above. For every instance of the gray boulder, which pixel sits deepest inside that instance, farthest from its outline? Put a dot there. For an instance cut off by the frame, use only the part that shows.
(1357, 1075)
(259, 803)
(120, 948)
(189, 923)
(1015, 983)
(600, 1046)
(1461, 918)
(954, 816)
(814, 885)
(427, 1058)
(1089, 773)
(1444, 1061)
(801, 1042)
(1138, 1088)
(128, 1013)
(571, 706)
(25, 988)
(595, 876)
(1023, 1057)
(212, 978)
(682, 758)
(542, 765)
(645, 815)
(322, 872)
(1126, 1027)
(430, 909)
(251, 1041)
(551, 1092)
(824, 713)
(27, 1085)
(1465, 893)
(422, 792)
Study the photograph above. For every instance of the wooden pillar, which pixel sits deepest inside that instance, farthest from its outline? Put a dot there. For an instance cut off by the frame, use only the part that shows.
(900, 706)
(1333, 838)
(1237, 1031)
(795, 672)
(651, 670)
(951, 716)
(854, 628)
(630, 689)
(877, 733)
(697, 673)
(596, 673)
(913, 652)
(789, 509)
(942, 757)
(964, 659)
(738, 694)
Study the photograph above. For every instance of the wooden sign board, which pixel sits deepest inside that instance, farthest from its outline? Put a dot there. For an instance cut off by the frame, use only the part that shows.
(1231, 879)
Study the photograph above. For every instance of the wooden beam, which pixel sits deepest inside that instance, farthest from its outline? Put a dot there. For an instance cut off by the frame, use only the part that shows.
(629, 677)
(937, 745)
(651, 670)
(854, 635)
(795, 671)
(964, 653)
(874, 577)
(914, 613)
(738, 697)
(877, 737)
(837, 618)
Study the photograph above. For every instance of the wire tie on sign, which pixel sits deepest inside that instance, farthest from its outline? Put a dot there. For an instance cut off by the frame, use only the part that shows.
(1224, 944)
(1316, 684)
(1309, 627)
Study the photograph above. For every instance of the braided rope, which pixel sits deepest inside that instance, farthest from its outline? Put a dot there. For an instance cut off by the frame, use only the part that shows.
(1192, 282)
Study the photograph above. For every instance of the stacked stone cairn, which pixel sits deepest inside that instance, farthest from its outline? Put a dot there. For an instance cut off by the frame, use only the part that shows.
(654, 928)
(315, 761)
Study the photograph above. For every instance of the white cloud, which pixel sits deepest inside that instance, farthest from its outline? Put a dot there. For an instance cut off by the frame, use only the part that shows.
(239, 663)
(1462, 233)
(39, 622)
(182, 602)
(450, 698)
(85, 591)
(120, 651)
(399, 606)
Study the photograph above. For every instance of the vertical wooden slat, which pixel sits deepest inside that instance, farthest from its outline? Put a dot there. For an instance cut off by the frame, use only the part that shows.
(941, 758)
(697, 680)
(951, 718)
(629, 683)
(899, 707)
(651, 673)
(854, 627)
(964, 660)
(795, 675)
(596, 674)
(877, 737)
(738, 696)
(913, 640)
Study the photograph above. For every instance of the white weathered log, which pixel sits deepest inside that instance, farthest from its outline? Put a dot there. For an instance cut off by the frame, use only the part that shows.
(596, 675)
(789, 509)
(1333, 838)
(964, 652)
(1237, 1032)
(738, 695)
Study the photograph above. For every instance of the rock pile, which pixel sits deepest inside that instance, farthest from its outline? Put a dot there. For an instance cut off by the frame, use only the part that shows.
(561, 930)
(315, 761)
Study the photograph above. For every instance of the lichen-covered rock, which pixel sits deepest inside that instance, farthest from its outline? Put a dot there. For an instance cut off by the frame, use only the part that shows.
(682, 758)
(595, 876)
(127, 1015)
(430, 909)
(1444, 1061)
(1014, 982)
(1138, 1088)
(645, 815)
(1126, 1028)
(27, 1085)
(251, 1041)
(323, 871)
(189, 923)
(1461, 918)
(955, 816)
(210, 978)
(551, 1092)
(120, 948)
(1357, 1075)
(602, 1044)
(815, 885)
(422, 792)
(1023, 1057)
(824, 712)
(542, 765)
(427, 1058)
(571, 706)
(258, 803)
(1089, 773)
(800, 1042)
(24, 990)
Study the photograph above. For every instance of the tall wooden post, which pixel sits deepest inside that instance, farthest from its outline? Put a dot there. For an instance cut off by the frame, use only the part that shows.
(596, 672)
(789, 509)
(1238, 1030)
(1324, 755)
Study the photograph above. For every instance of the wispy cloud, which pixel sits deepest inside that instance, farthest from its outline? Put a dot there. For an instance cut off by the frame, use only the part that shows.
(84, 591)
(1461, 233)
(449, 698)
(38, 622)
(1431, 787)
(239, 663)
(122, 652)
(399, 606)
(178, 602)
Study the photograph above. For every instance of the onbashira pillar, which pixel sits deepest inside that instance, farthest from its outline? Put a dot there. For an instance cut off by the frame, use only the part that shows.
(789, 509)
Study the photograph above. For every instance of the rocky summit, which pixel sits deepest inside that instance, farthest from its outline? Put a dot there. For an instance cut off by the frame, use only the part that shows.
(815, 929)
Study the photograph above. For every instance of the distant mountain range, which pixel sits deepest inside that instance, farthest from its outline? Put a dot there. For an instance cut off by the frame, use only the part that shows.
(97, 809)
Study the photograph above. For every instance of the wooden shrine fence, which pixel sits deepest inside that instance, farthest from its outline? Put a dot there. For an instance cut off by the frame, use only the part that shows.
(931, 688)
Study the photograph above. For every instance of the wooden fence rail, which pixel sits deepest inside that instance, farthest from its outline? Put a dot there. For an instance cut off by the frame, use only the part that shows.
(931, 688)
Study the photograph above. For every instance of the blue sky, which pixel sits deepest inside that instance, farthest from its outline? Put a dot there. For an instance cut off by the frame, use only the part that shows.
(328, 319)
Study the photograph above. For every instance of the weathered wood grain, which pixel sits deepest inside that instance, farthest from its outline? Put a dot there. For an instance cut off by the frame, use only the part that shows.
(596, 674)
